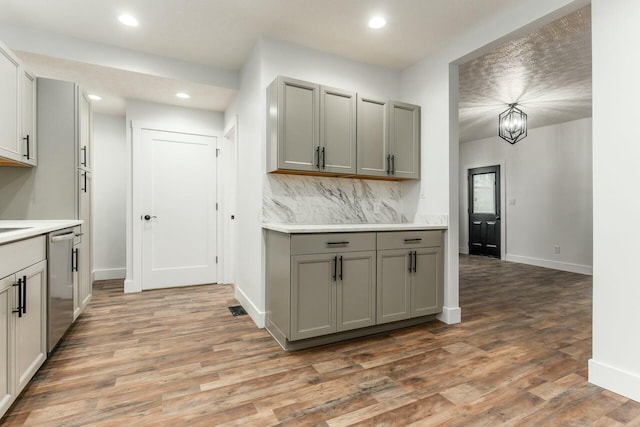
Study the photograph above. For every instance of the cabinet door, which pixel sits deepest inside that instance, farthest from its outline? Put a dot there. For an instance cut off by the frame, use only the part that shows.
(77, 304)
(6, 309)
(313, 295)
(356, 290)
(404, 139)
(427, 282)
(28, 134)
(84, 156)
(10, 141)
(31, 350)
(394, 286)
(85, 257)
(298, 127)
(337, 131)
(373, 137)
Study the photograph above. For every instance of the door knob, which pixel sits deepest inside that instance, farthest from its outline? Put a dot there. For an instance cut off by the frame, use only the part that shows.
(148, 217)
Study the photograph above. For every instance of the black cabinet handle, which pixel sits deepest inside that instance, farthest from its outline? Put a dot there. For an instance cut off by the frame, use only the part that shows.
(415, 261)
(84, 177)
(417, 239)
(393, 165)
(410, 261)
(335, 268)
(388, 164)
(24, 295)
(338, 243)
(74, 259)
(323, 161)
(318, 157)
(27, 155)
(341, 270)
(19, 309)
(84, 155)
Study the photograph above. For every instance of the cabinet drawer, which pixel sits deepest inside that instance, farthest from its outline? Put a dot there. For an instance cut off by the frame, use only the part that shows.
(18, 255)
(409, 239)
(332, 242)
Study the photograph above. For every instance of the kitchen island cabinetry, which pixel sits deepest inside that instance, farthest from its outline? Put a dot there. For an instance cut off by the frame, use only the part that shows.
(23, 281)
(329, 286)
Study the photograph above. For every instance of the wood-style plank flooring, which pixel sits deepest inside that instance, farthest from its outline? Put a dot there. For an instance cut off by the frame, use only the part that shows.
(177, 357)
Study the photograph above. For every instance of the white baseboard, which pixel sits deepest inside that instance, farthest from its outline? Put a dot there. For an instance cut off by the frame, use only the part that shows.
(131, 287)
(109, 273)
(556, 265)
(450, 315)
(463, 250)
(614, 379)
(256, 315)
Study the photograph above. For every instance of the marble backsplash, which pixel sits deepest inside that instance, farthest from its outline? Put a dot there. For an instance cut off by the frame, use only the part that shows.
(299, 199)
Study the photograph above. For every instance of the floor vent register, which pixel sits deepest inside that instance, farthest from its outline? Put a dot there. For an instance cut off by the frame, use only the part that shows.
(237, 310)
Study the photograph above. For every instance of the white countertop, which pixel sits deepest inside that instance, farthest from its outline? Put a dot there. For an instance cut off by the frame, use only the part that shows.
(341, 228)
(31, 228)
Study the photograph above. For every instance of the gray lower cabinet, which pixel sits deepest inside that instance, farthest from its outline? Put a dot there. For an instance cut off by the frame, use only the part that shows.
(328, 283)
(410, 275)
(331, 293)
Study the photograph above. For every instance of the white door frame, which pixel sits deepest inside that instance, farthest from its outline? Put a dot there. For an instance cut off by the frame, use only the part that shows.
(133, 282)
(227, 249)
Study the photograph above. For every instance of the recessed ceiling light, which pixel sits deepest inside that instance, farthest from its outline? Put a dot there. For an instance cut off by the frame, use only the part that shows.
(377, 22)
(94, 97)
(183, 95)
(128, 20)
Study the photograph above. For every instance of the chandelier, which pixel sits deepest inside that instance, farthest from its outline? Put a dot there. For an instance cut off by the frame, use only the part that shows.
(512, 124)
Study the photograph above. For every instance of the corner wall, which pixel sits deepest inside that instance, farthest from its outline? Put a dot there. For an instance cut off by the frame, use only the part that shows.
(109, 196)
(616, 173)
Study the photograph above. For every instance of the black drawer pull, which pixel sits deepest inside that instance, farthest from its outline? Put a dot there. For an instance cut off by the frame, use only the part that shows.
(337, 243)
(417, 239)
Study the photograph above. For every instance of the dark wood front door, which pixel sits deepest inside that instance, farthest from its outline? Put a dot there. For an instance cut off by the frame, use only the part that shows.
(484, 211)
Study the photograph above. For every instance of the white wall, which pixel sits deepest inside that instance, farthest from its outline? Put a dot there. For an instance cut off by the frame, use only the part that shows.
(616, 173)
(162, 117)
(109, 196)
(547, 194)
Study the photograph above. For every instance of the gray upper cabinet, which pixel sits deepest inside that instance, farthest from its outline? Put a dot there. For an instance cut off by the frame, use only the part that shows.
(28, 136)
(373, 137)
(293, 127)
(337, 131)
(317, 129)
(388, 138)
(404, 140)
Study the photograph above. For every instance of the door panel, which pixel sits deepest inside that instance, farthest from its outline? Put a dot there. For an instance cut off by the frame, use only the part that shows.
(179, 196)
(484, 211)
(313, 295)
(426, 296)
(394, 286)
(373, 136)
(298, 125)
(30, 328)
(338, 130)
(356, 290)
(405, 140)
(6, 308)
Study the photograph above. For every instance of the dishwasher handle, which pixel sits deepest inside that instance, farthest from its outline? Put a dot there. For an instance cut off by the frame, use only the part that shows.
(62, 237)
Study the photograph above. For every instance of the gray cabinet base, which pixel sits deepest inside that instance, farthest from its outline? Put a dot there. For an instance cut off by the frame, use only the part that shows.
(341, 336)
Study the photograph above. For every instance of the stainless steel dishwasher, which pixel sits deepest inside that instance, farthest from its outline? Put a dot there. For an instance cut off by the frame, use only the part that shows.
(61, 265)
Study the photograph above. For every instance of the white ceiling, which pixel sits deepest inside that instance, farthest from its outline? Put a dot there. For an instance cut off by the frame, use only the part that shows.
(547, 72)
(218, 35)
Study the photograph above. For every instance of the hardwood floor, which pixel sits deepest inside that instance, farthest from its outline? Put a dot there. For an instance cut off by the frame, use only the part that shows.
(177, 357)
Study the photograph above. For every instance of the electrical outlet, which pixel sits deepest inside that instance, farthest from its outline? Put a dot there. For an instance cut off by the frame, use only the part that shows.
(512, 202)
(556, 249)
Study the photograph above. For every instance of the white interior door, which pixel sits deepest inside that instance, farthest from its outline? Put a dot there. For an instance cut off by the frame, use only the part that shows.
(178, 209)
